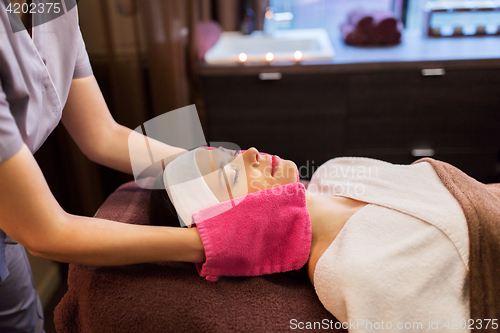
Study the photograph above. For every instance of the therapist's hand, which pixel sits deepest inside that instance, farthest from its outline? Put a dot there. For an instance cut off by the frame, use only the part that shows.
(101, 139)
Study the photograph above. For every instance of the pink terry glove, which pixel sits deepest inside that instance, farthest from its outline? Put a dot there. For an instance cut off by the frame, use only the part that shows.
(261, 233)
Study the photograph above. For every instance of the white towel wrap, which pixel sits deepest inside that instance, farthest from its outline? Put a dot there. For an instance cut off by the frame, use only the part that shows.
(401, 259)
(186, 187)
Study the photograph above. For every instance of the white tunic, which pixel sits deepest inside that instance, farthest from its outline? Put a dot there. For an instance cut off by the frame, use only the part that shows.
(400, 263)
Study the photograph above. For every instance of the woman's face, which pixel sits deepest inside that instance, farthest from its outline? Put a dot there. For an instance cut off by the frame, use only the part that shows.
(231, 175)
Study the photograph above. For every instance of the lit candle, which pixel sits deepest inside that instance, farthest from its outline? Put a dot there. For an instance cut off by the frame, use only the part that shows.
(242, 57)
(297, 56)
(269, 57)
(269, 13)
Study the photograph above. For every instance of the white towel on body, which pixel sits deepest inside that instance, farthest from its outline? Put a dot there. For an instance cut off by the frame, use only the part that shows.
(401, 262)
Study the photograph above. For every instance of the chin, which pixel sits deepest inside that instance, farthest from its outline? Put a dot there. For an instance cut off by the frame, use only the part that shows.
(290, 165)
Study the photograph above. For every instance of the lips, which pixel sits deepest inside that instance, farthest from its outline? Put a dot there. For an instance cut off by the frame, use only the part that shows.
(274, 162)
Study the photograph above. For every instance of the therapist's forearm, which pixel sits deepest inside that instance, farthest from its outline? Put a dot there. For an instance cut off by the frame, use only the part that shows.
(30, 215)
(91, 241)
(115, 152)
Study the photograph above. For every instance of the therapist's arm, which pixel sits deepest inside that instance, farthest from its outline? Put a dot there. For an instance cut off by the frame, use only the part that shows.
(89, 122)
(30, 214)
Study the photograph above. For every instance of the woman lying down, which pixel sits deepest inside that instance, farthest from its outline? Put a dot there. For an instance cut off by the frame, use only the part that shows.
(384, 244)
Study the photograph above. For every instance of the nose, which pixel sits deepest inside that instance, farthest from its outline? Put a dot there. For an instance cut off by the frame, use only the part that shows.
(252, 155)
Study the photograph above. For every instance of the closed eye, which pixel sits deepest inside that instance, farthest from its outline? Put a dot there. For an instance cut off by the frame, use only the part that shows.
(230, 152)
(223, 173)
(237, 174)
(228, 187)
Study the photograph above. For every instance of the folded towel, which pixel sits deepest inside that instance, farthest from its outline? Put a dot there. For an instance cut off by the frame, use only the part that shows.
(384, 20)
(374, 28)
(360, 18)
(352, 36)
(380, 37)
(265, 232)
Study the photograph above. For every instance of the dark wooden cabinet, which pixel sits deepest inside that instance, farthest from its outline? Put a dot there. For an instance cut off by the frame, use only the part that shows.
(388, 115)
(299, 117)
(456, 115)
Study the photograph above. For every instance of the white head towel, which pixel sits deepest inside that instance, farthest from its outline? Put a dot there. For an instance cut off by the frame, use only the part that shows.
(186, 187)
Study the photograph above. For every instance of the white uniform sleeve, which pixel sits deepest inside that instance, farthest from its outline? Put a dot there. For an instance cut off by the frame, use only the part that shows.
(11, 141)
(82, 67)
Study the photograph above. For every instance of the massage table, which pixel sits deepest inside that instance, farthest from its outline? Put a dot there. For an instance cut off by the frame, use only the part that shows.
(172, 297)
(166, 297)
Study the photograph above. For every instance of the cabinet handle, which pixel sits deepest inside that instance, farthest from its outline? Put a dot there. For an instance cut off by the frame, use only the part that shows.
(418, 152)
(433, 72)
(270, 76)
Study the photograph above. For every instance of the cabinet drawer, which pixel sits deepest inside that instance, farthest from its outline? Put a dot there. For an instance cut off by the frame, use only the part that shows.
(411, 94)
(304, 95)
(437, 130)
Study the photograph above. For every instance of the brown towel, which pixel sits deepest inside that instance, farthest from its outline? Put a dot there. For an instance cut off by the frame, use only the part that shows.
(171, 297)
(360, 19)
(384, 20)
(353, 36)
(481, 206)
(374, 28)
